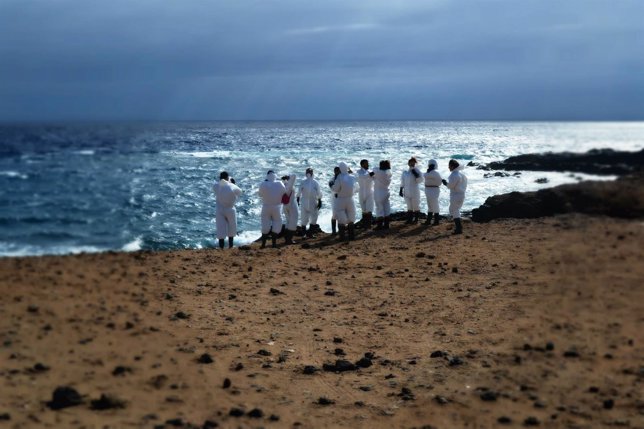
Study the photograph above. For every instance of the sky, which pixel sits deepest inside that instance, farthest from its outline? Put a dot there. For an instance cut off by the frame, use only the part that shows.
(321, 60)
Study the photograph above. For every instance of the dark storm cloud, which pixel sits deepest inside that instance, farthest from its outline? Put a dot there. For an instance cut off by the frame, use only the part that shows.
(73, 59)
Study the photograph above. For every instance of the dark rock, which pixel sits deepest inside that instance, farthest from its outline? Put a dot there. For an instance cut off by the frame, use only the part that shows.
(227, 383)
(571, 353)
(339, 366)
(504, 420)
(364, 363)
(337, 340)
(121, 370)
(365, 388)
(256, 413)
(5, 416)
(539, 404)
(456, 361)
(39, 367)
(455, 269)
(531, 421)
(550, 346)
(542, 180)
(339, 352)
(64, 397)
(274, 418)
(181, 315)
(239, 366)
(489, 396)
(420, 254)
(209, 424)
(205, 359)
(310, 369)
(236, 412)
(32, 309)
(263, 352)
(441, 400)
(437, 354)
(593, 389)
(609, 404)
(274, 291)
(178, 422)
(322, 400)
(406, 394)
(106, 402)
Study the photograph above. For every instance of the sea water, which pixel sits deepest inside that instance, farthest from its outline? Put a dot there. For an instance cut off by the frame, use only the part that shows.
(68, 188)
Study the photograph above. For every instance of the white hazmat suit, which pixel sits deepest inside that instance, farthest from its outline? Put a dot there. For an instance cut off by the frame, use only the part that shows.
(382, 180)
(433, 181)
(411, 192)
(271, 192)
(365, 193)
(226, 194)
(309, 193)
(457, 184)
(290, 209)
(344, 188)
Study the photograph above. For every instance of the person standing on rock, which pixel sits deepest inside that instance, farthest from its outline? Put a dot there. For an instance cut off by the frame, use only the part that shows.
(290, 208)
(309, 197)
(226, 194)
(457, 184)
(382, 180)
(345, 208)
(365, 193)
(409, 182)
(271, 192)
(334, 197)
(433, 182)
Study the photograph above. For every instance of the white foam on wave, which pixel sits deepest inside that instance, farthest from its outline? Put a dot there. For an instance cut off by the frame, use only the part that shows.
(14, 175)
(18, 250)
(211, 154)
(247, 237)
(85, 152)
(133, 245)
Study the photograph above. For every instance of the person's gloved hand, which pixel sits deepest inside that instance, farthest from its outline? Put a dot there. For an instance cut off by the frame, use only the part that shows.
(319, 204)
(401, 192)
(371, 173)
(232, 181)
(415, 173)
(444, 182)
(298, 200)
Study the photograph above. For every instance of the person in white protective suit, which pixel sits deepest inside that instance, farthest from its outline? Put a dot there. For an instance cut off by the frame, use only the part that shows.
(457, 184)
(409, 182)
(433, 182)
(382, 180)
(271, 192)
(309, 197)
(226, 194)
(345, 208)
(290, 208)
(334, 197)
(365, 193)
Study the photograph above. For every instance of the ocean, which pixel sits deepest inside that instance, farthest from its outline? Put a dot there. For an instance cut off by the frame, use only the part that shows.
(69, 188)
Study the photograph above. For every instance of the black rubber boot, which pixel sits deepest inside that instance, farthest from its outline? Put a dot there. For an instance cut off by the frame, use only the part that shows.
(416, 217)
(334, 224)
(352, 231)
(410, 217)
(288, 236)
(274, 240)
(428, 221)
(436, 219)
(368, 220)
(221, 243)
(458, 227)
(387, 220)
(264, 238)
(380, 223)
(230, 242)
(342, 229)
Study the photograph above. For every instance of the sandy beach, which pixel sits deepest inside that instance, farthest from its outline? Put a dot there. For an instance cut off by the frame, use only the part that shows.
(516, 322)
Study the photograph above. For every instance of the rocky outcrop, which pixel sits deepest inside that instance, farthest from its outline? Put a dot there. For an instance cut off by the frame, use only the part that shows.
(620, 198)
(596, 161)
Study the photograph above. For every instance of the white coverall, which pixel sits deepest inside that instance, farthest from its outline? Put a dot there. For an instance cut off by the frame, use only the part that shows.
(411, 192)
(365, 194)
(290, 209)
(271, 191)
(382, 180)
(344, 186)
(309, 194)
(226, 194)
(457, 184)
(433, 181)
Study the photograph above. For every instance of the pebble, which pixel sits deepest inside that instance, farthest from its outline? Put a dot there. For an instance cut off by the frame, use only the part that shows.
(236, 412)
(489, 396)
(339, 366)
(310, 369)
(365, 362)
(441, 400)
(205, 359)
(121, 370)
(455, 361)
(274, 291)
(550, 346)
(227, 383)
(609, 404)
(322, 400)
(263, 352)
(256, 413)
(437, 354)
(531, 421)
(337, 340)
(209, 424)
(5, 416)
(63, 397)
(106, 402)
(504, 420)
(571, 354)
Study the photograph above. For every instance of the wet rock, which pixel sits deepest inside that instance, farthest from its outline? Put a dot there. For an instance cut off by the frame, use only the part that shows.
(542, 180)
(323, 400)
(264, 352)
(609, 404)
(227, 383)
(309, 370)
(236, 412)
(256, 413)
(205, 359)
(64, 397)
(106, 402)
(531, 421)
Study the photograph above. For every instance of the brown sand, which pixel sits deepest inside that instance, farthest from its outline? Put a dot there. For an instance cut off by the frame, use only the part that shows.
(494, 297)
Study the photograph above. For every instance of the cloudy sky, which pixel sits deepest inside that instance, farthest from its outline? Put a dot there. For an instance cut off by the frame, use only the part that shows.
(331, 59)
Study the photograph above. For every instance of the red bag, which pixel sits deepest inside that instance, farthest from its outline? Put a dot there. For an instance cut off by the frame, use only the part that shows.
(286, 198)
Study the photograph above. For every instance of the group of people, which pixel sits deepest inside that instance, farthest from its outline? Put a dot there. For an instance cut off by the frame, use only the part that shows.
(279, 197)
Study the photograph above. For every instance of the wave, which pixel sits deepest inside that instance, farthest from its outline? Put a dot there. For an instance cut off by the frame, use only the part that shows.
(133, 245)
(211, 154)
(14, 175)
(18, 250)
